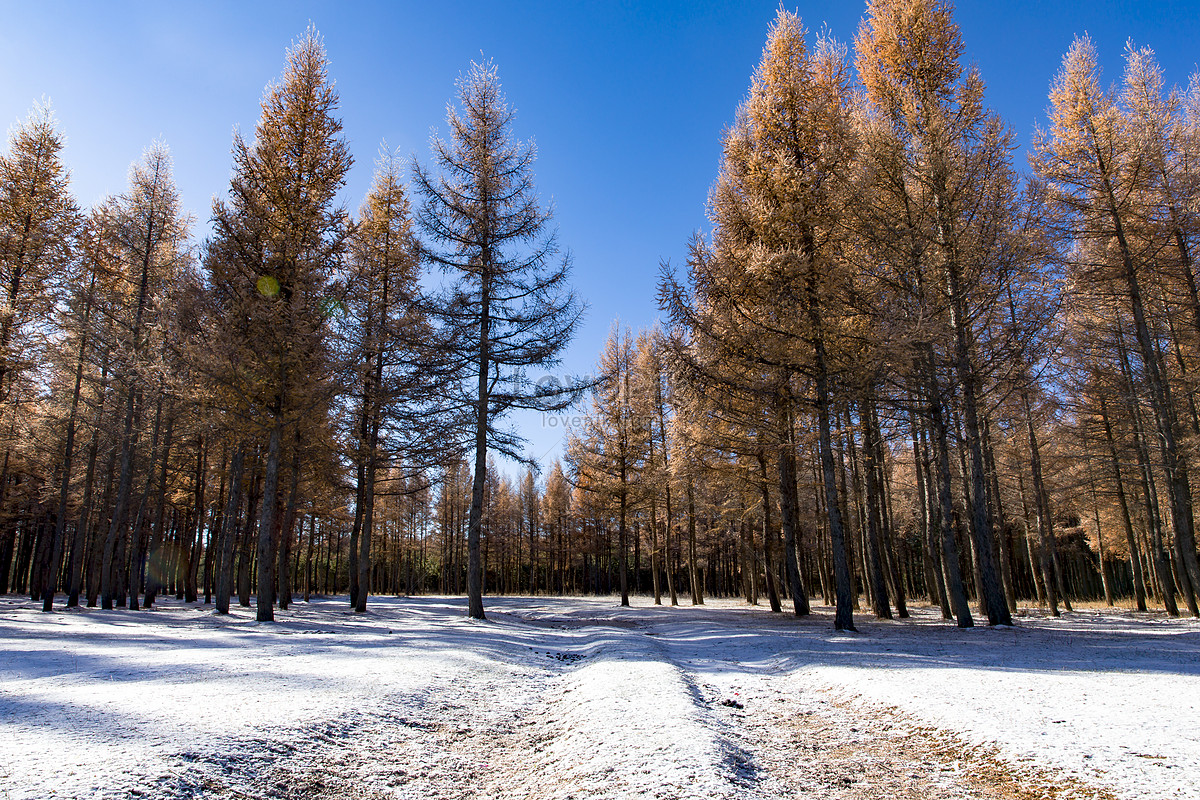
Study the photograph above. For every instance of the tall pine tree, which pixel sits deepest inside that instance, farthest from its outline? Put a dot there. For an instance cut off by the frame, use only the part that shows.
(507, 308)
(276, 244)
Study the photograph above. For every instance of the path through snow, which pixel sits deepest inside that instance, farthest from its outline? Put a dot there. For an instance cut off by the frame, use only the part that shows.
(576, 698)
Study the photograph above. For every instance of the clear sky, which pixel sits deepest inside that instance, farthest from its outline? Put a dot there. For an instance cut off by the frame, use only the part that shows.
(626, 101)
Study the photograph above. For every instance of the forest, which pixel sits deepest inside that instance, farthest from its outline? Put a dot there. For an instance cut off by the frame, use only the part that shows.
(898, 368)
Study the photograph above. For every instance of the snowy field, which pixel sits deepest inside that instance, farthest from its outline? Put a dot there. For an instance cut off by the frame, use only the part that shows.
(577, 698)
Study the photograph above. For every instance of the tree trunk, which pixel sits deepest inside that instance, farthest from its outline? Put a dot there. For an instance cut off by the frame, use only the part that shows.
(191, 588)
(928, 520)
(266, 527)
(999, 522)
(1045, 519)
(789, 513)
(154, 578)
(879, 591)
(1162, 568)
(654, 553)
(360, 488)
(120, 515)
(137, 544)
(768, 536)
(83, 541)
(216, 538)
(245, 544)
(475, 516)
(993, 600)
(283, 573)
(366, 534)
(693, 571)
(229, 531)
(1139, 581)
(622, 544)
(953, 575)
(668, 540)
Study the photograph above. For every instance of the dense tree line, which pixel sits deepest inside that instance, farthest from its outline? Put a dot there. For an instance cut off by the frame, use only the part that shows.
(956, 381)
(898, 366)
(272, 411)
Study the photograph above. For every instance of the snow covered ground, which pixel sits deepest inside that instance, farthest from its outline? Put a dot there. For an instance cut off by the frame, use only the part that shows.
(577, 698)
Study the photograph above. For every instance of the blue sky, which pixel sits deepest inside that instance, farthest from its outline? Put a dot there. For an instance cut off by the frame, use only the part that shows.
(626, 101)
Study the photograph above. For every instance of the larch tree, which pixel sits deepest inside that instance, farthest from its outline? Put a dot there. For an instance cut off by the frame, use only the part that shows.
(1099, 165)
(382, 273)
(956, 158)
(739, 407)
(651, 398)
(145, 232)
(507, 307)
(774, 271)
(276, 244)
(76, 356)
(610, 452)
(38, 222)
(531, 513)
(38, 225)
(394, 377)
(556, 519)
(1160, 124)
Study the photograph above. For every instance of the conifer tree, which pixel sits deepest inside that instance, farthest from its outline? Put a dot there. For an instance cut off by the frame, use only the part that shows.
(38, 225)
(610, 452)
(531, 513)
(1100, 165)
(276, 244)
(76, 358)
(392, 373)
(507, 308)
(557, 520)
(956, 164)
(145, 232)
(651, 399)
(38, 222)
(770, 290)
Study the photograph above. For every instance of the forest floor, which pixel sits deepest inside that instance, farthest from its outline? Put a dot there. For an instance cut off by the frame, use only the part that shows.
(577, 698)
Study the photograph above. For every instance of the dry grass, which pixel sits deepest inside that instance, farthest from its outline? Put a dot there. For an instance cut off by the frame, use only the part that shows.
(855, 750)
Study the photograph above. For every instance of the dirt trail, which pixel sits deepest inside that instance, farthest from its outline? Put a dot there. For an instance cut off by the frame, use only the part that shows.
(821, 749)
